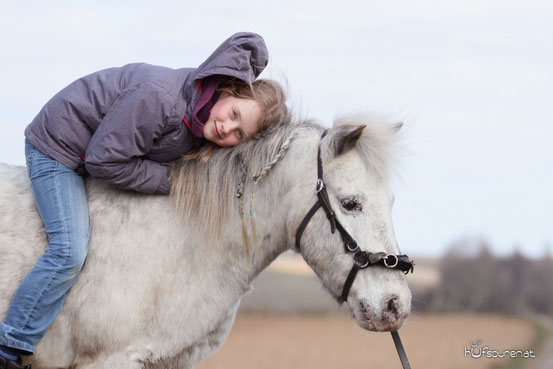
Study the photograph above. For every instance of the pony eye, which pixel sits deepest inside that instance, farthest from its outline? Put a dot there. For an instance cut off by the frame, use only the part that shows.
(351, 204)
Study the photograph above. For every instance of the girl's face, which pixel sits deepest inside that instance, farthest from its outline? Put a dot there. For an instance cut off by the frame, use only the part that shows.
(231, 121)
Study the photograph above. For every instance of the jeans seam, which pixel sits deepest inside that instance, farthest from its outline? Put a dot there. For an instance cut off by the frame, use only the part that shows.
(30, 156)
(47, 285)
(16, 344)
(28, 162)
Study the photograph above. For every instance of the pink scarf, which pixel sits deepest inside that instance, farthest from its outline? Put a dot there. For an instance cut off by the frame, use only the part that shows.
(201, 111)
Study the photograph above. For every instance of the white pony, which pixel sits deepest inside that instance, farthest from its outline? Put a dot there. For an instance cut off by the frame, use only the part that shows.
(165, 274)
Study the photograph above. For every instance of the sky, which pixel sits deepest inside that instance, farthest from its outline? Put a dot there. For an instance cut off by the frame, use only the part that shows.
(471, 80)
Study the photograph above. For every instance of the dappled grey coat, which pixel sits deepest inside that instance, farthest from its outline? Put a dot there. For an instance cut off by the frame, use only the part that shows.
(125, 122)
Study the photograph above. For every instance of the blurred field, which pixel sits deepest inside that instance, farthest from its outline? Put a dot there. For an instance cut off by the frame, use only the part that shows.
(331, 342)
(289, 321)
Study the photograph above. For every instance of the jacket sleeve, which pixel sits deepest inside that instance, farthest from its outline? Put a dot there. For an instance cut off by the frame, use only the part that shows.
(126, 133)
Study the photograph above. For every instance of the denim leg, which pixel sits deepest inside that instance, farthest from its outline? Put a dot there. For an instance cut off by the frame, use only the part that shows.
(61, 201)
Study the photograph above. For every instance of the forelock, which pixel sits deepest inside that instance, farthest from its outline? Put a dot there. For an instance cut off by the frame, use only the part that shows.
(378, 143)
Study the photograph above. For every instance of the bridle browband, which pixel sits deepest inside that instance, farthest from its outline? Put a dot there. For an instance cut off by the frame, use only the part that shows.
(361, 259)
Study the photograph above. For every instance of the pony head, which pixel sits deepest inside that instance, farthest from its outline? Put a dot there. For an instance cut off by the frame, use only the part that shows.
(356, 154)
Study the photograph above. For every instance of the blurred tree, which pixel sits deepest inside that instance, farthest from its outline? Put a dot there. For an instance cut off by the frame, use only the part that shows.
(474, 279)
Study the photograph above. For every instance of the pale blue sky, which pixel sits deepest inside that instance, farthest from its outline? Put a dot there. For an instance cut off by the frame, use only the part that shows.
(473, 80)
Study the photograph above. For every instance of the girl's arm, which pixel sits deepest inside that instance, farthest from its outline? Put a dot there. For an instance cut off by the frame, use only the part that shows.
(126, 133)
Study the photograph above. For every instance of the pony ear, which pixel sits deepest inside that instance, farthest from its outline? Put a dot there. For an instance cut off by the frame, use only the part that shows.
(397, 126)
(344, 138)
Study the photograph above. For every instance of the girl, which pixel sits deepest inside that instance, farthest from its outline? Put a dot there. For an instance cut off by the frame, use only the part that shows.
(123, 125)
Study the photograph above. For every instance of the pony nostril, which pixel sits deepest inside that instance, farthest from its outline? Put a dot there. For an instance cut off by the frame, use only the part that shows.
(393, 306)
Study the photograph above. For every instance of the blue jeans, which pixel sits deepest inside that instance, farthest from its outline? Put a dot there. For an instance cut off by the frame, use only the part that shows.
(62, 204)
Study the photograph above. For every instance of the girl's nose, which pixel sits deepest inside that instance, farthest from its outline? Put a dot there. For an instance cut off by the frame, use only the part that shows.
(228, 127)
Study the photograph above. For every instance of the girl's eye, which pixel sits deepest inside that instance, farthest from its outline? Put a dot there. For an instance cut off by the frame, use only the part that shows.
(239, 134)
(234, 114)
(351, 204)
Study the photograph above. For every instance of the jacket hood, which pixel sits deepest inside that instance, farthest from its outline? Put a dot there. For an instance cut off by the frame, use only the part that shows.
(244, 55)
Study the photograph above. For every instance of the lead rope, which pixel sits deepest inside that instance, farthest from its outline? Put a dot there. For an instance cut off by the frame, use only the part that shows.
(400, 350)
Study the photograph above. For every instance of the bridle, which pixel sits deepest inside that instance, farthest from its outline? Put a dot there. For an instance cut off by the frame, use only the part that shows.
(361, 259)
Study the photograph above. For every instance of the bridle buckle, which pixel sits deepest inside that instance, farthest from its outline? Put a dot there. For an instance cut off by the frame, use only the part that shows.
(361, 259)
(392, 264)
(352, 246)
(320, 185)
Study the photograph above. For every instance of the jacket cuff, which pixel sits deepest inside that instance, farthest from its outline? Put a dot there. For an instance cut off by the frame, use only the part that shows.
(165, 184)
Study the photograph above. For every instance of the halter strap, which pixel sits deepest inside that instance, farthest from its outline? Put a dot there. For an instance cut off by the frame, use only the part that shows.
(364, 259)
(304, 222)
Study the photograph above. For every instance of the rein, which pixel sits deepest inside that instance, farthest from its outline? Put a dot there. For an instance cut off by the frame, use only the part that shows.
(361, 259)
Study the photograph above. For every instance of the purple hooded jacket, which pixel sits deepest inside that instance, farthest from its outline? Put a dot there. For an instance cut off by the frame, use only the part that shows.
(127, 122)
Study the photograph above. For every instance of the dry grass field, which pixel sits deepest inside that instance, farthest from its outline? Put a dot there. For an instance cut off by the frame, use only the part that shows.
(333, 341)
